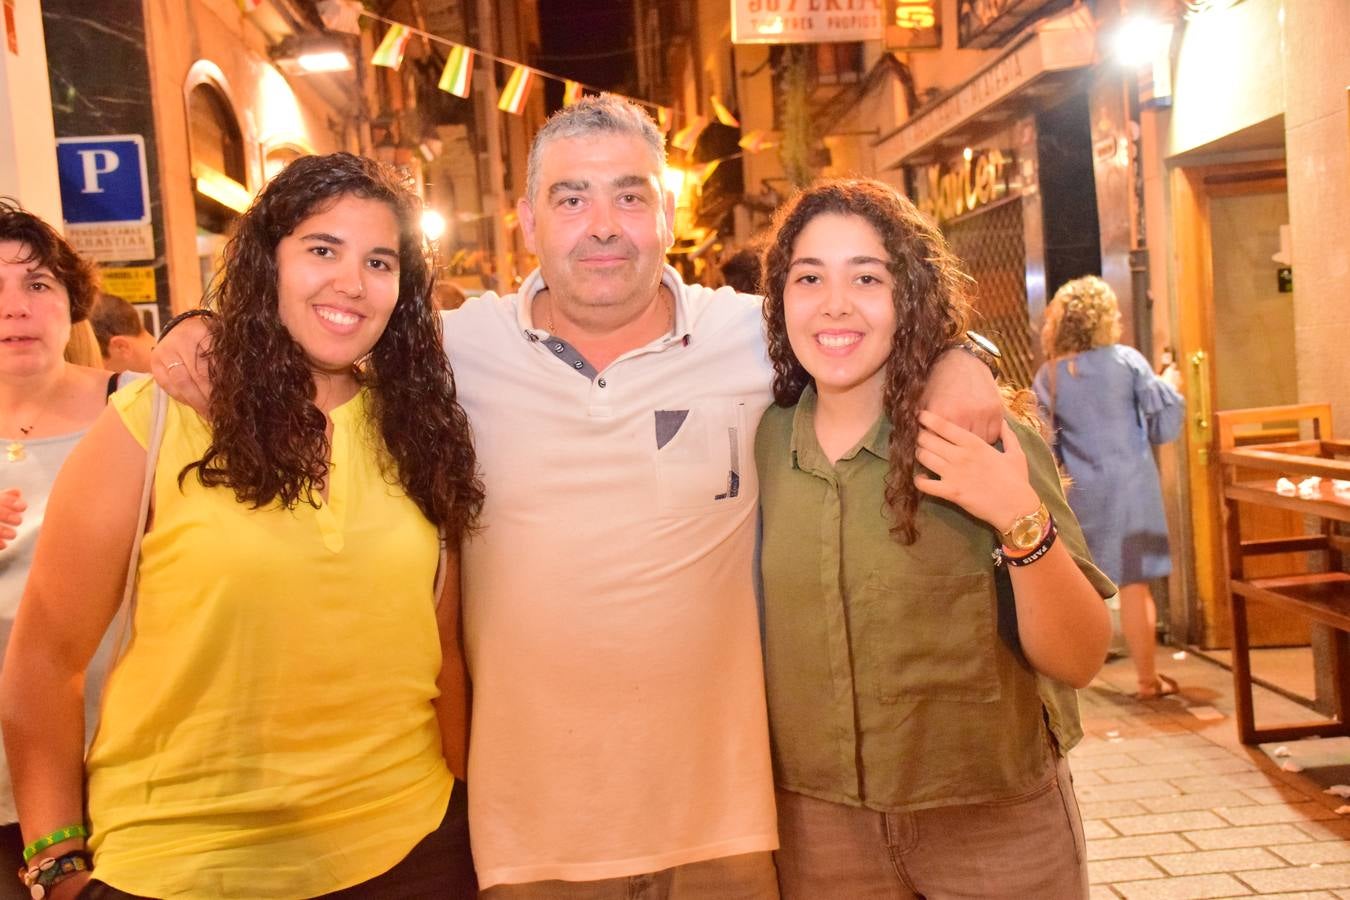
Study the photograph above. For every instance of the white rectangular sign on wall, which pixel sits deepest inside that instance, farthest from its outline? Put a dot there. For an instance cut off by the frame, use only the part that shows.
(805, 21)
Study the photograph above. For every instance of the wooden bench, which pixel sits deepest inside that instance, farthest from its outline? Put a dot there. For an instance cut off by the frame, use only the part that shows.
(1321, 594)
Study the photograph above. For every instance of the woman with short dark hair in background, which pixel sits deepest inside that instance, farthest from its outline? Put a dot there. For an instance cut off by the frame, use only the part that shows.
(289, 717)
(46, 405)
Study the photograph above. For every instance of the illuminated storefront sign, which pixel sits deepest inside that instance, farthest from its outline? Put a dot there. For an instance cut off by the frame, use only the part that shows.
(805, 21)
(913, 25)
(948, 191)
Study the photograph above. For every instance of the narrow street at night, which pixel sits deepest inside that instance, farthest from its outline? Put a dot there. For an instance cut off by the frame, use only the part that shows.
(674, 449)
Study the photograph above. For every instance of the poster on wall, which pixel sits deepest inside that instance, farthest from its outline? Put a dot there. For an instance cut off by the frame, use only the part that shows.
(806, 21)
(134, 284)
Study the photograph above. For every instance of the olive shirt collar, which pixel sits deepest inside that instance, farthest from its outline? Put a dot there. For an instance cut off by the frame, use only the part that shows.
(807, 455)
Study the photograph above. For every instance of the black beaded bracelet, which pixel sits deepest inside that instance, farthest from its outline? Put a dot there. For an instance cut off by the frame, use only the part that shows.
(183, 317)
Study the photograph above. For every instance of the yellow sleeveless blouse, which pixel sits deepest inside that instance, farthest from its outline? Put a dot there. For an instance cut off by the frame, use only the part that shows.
(270, 731)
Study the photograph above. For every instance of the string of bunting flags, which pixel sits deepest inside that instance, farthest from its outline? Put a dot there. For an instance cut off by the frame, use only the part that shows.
(457, 79)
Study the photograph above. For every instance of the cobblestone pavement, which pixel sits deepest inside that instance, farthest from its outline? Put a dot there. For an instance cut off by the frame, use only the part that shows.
(1174, 807)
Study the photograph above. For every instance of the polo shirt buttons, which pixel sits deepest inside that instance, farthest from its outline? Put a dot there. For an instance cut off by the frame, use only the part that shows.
(558, 348)
(578, 364)
(601, 382)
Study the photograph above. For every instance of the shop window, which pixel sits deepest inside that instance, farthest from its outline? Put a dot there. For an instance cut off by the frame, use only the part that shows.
(839, 63)
(219, 170)
(826, 65)
(216, 140)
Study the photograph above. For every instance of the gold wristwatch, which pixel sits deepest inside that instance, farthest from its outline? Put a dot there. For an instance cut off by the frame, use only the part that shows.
(1026, 531)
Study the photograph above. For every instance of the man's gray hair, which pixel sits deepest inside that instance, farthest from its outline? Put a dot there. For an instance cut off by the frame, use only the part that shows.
(592, 115)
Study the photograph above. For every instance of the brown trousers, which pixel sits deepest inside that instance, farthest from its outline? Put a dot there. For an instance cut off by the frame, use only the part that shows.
(1028, 847)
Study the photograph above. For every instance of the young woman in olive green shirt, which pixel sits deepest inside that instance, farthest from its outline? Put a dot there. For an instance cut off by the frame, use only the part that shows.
(929, 604)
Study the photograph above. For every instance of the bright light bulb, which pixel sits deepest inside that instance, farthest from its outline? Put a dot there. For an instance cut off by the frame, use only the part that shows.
(326, 61)
(433, 225)
(1138, 41)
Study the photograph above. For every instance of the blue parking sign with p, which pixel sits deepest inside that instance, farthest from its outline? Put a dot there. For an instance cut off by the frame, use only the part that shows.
(103, 179)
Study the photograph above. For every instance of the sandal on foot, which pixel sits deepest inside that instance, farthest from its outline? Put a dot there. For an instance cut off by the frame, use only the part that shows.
(1166, 687)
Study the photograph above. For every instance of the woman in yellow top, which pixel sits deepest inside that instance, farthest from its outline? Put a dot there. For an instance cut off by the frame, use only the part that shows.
(287, 716)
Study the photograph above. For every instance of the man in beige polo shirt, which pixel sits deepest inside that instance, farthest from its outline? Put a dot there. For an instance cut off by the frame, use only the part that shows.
(619, 743)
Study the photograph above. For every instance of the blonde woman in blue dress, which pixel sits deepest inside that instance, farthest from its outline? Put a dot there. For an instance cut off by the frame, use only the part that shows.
(1107, 410)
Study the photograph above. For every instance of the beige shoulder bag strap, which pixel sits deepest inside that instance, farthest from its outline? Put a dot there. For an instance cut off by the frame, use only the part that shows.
(118, 635)
(441, 569)
(158, 414)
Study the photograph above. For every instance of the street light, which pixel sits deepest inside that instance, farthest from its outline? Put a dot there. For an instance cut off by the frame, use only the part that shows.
(312, 54)
(1141, 40)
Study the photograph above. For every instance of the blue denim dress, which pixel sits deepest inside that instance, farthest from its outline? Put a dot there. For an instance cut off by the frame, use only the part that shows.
(1107, 409)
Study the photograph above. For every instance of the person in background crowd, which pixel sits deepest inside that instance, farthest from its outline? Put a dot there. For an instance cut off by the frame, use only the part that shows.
(46, 405)
(1107, 409)
(742, 270)
(123, 342)
(288, 717)
(922, 648)
(620, 743)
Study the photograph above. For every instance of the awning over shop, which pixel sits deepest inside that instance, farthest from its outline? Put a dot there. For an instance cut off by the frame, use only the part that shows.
(1038, 67)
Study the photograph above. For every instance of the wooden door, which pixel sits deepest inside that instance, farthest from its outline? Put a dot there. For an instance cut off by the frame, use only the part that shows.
(1232, 356)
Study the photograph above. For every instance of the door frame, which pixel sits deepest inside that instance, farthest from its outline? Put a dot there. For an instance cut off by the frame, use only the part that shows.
(1206, 620)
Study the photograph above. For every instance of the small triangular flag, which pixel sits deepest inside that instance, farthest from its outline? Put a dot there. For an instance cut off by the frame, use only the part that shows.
(390, 52)
(755, 141)
(458, 71)
(663, 115)
(571, 92)
(723, 114)
(705, 172)
(687, 137)
(517, 90)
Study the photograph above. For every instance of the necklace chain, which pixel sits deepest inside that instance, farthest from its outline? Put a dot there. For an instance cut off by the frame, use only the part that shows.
(15, 449)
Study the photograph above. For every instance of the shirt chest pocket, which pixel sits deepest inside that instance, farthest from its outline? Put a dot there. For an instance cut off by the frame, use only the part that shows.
(928, 637)
(702, 461)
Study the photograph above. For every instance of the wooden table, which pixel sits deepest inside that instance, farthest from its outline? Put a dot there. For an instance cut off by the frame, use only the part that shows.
(1321, 595)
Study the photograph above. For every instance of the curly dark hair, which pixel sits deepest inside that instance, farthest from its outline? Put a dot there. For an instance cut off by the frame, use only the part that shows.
(931, 310)
(268, 441)
(47, 248)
